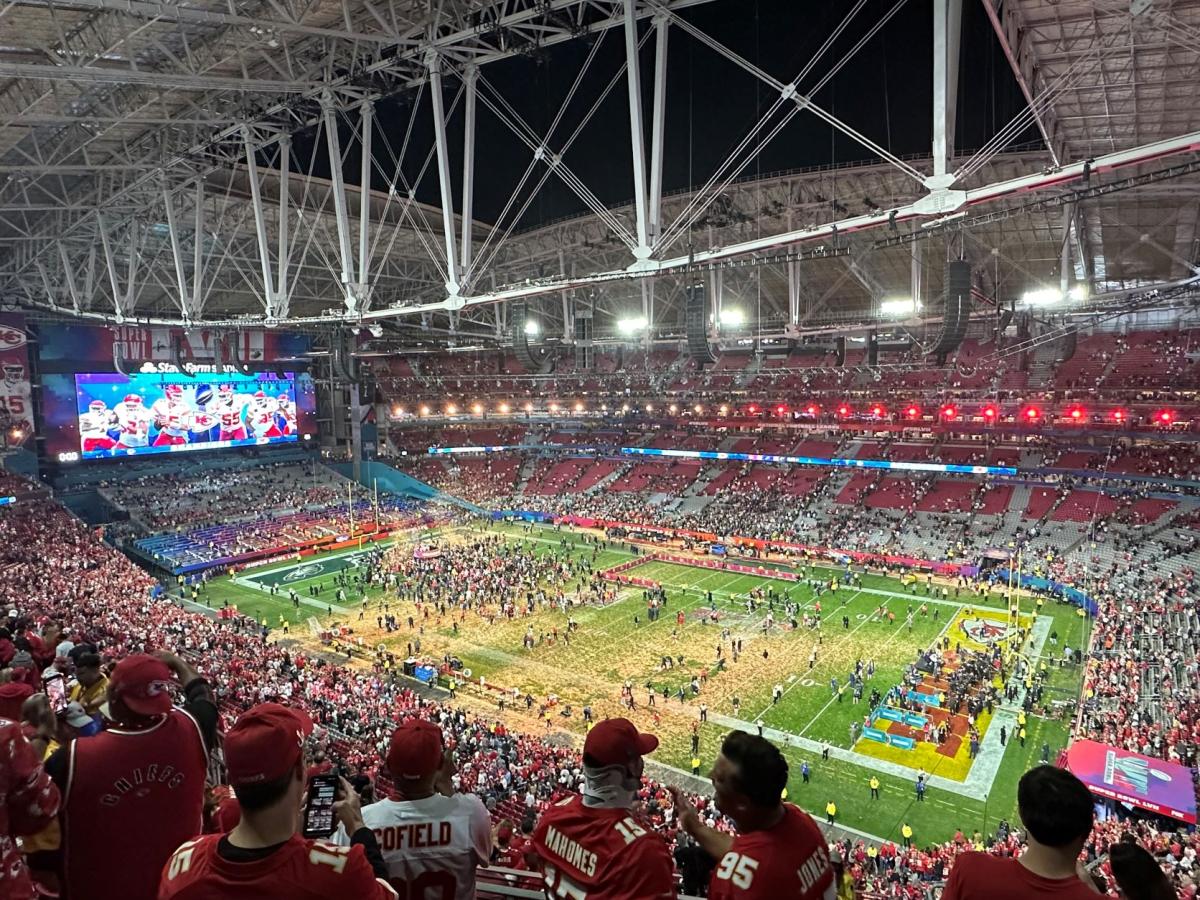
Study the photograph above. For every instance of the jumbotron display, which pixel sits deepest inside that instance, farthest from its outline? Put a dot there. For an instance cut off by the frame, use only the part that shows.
(132, 415)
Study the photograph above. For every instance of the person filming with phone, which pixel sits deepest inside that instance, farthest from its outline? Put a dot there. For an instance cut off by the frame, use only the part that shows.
(270, 853)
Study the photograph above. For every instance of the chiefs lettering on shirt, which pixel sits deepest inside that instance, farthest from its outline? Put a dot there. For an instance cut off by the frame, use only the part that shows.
(787, 862)
(142, 789)
(431, 846)
(298, 870)
(601, 854)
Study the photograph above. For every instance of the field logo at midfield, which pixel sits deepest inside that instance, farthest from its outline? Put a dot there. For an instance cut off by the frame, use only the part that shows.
(301, 572)
(984, 631)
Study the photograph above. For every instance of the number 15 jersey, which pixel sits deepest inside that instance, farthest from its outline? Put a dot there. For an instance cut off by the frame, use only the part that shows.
(587, 853)
(431, 846)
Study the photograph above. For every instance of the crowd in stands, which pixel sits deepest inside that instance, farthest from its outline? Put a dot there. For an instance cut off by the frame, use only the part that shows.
(71, 596)
(169, 500)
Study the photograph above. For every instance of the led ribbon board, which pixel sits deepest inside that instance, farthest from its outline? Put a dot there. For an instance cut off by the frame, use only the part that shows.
(762, 458)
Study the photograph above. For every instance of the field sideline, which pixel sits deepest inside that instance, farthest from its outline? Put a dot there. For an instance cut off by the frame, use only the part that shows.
(609, 648)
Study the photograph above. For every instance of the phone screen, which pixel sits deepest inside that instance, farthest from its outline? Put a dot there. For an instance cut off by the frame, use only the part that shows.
(318, 812)
(56, 691)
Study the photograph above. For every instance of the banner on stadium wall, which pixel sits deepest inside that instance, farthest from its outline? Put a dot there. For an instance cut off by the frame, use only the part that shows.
(16, 405)
(1156, 785)
(79, 345)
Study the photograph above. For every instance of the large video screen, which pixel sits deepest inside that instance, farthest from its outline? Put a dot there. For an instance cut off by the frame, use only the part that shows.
(132, 415)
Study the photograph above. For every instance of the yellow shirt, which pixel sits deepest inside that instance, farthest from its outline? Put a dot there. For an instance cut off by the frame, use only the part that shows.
(906, 831)
(874, 784)
(831, 809)
(90, 698)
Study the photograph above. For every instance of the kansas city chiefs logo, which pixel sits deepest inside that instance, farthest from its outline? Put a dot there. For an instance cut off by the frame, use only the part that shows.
(11, 338)
(984, 631)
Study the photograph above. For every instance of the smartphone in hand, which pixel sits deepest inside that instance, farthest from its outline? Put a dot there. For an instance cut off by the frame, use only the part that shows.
(319, 820)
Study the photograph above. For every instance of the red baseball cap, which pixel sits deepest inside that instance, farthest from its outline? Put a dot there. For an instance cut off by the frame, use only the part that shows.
(416, 749)
(617, 742)
(265, 743)
(143, 683)
(13, 695)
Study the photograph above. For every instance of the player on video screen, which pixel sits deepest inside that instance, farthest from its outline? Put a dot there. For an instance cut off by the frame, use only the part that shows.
(133, 421)
(229, 408)
(172, 416)
(95, 425)
(288, 413)
(263, 413)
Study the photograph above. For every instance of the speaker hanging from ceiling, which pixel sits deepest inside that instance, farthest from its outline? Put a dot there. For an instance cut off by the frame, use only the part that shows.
(695, 323)
(585, 358)
(956, 309)
(534, 358)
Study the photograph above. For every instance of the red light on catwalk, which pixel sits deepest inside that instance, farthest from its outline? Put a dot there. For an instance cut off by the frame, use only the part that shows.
(1032, 413)
(1118, 415)
(1165, 416)
(813, 409)
(780, 409)
(949, 411)
(989, 413)
(1076, 413)
(752, 409)
(913, 412)
(877, 410)
(843, 410)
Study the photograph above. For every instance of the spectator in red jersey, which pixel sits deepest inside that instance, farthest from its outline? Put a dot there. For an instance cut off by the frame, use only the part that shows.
(28, 803)
(135, 792)
(591, 844)
(779, 852)
(1056, 809)
(264, 856)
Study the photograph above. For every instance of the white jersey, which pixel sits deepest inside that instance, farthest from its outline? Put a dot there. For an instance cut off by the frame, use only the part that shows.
(431, 846)
(262, 416)
(134, 422)
(96, 424)
(173, 418)
(229, 412)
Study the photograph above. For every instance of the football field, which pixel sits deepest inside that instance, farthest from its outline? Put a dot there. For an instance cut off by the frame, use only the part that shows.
(877, 621)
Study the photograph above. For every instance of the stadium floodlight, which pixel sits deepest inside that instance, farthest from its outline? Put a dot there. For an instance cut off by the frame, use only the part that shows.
(477, 409)
(504, 408)
(698, 409)
(528, 407)
(732, 317)
(532, 327)
(898, 306)
(553, 407)
(724, 410)
(451, 409)
(632, 325)
(578, 407)
(674, 409)
(649, 407)
(424, 410)
(1042, 297)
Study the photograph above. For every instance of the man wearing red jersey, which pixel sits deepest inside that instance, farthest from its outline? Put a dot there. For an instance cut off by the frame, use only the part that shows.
(592, 846)
(779, 853)
(264, 856)
(1057, 811)
(135, 792)
(28, 802)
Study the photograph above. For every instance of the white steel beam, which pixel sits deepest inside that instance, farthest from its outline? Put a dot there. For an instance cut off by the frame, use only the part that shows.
(151, 78)
(260, 224)
(367, 112)
(176, 251)
(637, 139)
(283, 305)
(196, 301)
(471, 82)
(443, 160)
(69, 278)
(947, 15)
(345, 253)
(662, 26)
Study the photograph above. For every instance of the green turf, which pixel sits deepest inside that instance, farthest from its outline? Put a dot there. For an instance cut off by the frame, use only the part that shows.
(610, 647)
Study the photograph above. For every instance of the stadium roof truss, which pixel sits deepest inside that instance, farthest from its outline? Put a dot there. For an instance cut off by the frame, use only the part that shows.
(146, 168)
